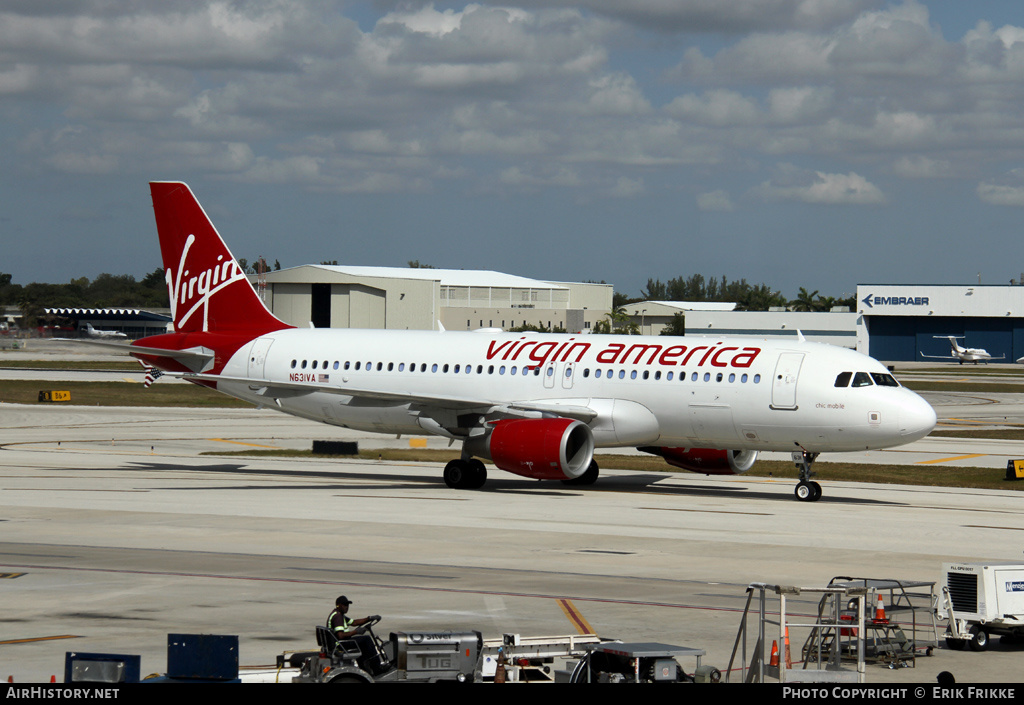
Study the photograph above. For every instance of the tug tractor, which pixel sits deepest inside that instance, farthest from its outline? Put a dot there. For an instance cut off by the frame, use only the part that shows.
(405, 657)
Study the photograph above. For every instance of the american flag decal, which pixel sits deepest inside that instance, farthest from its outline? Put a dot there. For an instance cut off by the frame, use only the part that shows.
(152, 375)
(323, 378)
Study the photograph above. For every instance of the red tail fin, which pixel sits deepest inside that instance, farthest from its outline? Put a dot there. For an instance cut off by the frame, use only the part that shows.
(207, 288)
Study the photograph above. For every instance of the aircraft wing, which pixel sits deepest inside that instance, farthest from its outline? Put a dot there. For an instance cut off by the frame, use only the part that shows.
(440, 415)
(940, 357)
(278, 389)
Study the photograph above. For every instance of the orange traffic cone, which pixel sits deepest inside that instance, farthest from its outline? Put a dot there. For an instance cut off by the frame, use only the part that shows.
(789, 659)
(880, 611)
(774, 661)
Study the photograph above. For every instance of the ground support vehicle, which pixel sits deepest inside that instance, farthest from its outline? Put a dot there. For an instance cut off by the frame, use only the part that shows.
(420, 657)
(980, 600)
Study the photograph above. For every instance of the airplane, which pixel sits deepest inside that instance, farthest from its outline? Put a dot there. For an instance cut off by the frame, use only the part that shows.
(94, 333)
(960, 354)
(534, 404)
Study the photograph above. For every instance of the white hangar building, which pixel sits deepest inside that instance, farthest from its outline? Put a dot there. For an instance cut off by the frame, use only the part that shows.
(340, 296)
(904, 320)
(841, 328)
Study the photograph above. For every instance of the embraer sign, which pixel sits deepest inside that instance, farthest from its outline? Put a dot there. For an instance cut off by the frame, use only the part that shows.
(871, 300)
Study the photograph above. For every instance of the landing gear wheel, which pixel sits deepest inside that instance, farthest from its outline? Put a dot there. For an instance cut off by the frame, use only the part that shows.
(455, 474)
(807, 491)
(478, 474)
(462, 474)
(587, 478)
(979, 639)
(816, 488)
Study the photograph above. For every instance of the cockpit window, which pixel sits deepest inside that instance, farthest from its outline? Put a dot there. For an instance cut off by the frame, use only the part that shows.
(843, 380)
(862, 379)
(884, 380)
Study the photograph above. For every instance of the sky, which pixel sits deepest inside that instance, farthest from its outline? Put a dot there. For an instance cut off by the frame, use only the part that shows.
(797, 143)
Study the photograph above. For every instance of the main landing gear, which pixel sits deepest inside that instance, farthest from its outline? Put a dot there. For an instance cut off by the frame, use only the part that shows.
(806, 490)
(462, 474)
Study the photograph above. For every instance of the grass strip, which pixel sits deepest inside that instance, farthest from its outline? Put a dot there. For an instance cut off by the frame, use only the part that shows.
(120, 365)
(20, 391)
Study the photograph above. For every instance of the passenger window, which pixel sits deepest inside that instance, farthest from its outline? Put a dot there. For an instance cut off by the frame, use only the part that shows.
(843, 380)
(862, 379)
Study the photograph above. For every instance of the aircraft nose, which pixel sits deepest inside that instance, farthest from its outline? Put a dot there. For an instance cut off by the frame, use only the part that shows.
(917, 418)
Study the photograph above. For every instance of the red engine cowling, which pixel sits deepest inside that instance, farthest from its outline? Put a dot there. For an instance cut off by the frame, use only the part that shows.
(709, 461)
(544, 449)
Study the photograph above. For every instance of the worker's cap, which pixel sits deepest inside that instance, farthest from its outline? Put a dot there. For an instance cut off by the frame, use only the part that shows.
(343, 601)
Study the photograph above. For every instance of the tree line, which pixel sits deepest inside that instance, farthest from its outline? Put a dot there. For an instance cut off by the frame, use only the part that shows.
(746, 296)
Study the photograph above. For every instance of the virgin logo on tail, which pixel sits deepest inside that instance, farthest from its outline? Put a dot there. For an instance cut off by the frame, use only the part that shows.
(184, 287)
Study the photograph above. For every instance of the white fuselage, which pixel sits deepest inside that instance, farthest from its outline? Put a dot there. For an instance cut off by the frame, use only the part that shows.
(666, 391)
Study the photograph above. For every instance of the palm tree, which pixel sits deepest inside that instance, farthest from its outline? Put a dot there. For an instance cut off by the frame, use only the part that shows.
(805, 301)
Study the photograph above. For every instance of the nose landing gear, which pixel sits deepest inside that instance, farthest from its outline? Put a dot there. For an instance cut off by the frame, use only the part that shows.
(806, 490)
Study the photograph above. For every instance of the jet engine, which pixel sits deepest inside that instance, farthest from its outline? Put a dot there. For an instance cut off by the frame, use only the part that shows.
(708, 461)
(544, 449)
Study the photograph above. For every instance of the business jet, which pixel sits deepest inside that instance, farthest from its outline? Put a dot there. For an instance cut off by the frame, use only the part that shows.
(536, 405)
(94, 333)
(961, 354)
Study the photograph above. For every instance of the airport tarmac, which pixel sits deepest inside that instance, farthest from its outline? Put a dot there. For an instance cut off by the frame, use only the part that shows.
(116, 531)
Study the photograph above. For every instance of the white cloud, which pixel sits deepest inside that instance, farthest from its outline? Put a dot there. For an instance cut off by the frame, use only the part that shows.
(1000, 195)
(715, 201)
(791, 184)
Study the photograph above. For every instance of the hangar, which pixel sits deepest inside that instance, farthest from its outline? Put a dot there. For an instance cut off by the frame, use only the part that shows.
(339, 296)
(839, 327)
(903, 320)
(134, 323)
